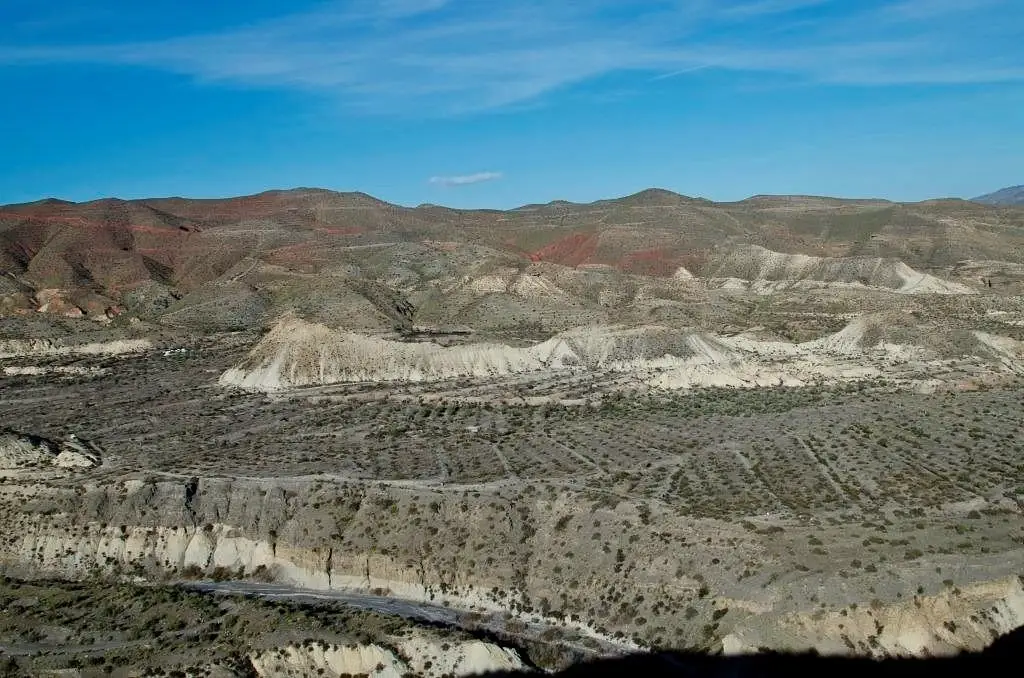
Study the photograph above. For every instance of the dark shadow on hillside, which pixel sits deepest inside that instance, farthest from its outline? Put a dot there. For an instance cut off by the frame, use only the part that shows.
(1004, 656)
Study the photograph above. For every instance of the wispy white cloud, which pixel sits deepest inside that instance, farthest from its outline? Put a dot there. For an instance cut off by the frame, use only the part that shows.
(402, 8)
(465, 179)
(433, 57)
(928, 9)
(756, 8)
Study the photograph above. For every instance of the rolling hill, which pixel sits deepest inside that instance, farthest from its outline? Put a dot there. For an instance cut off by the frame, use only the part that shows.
(351, 260)
(1014, 195)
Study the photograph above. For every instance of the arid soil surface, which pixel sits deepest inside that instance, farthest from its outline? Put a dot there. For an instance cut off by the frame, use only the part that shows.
(651, 422)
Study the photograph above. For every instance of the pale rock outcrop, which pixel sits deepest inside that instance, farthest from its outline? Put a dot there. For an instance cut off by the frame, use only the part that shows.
(421, 656)
(37, 370)
(237, 528)
(1010, 351)
(752, 266)
(940, 625)
(75, 453)
(18, 450)
(459, 659)
(296, 353)
(13, 348)
(313, 660)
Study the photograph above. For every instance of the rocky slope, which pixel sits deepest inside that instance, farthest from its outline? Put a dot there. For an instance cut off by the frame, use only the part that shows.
(16, 348)
(20, 451)
(296, 353)
(427, 657)
(230, 263)
(325, 535)
(757, 265)
(1013, 195)
(91, 628)
(940, 625)
(657, 421)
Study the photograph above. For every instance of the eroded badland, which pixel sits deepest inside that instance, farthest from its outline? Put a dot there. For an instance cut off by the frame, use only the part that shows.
(578, 430)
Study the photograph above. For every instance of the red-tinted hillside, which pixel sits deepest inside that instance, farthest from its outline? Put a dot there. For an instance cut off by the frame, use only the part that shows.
(108, 250)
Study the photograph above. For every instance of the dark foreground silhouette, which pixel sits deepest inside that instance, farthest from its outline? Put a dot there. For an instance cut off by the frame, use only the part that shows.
(1005, 656)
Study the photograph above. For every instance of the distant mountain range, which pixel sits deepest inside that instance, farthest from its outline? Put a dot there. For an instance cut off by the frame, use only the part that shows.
(349, 259)
(1014, 195)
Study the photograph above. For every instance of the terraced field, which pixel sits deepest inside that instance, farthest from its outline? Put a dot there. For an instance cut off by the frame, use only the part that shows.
(709, 453)
(653, 422)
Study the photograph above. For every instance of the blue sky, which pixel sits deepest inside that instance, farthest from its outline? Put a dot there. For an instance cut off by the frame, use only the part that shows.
(484, 103)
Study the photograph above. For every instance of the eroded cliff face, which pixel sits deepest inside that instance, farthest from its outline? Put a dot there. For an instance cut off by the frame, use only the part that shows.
(941, 625)
(417, 655)
(420, 546)
(372, 660)
(665, 580)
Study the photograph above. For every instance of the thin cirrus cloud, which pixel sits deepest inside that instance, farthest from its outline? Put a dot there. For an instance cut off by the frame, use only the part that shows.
(762, 7)
(456, 56)
(465, 179)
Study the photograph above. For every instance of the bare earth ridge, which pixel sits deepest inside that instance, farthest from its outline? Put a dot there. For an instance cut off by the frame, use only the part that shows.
(563, 431)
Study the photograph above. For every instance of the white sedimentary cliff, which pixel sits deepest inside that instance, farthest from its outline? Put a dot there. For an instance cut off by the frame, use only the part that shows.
(11, 348)
(158, 530)
(939, 625)
(19, 451)
(297, 353)
(761, 269)
(420, 656)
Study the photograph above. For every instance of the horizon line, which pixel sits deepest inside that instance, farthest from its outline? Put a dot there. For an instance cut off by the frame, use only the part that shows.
(694, 198)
